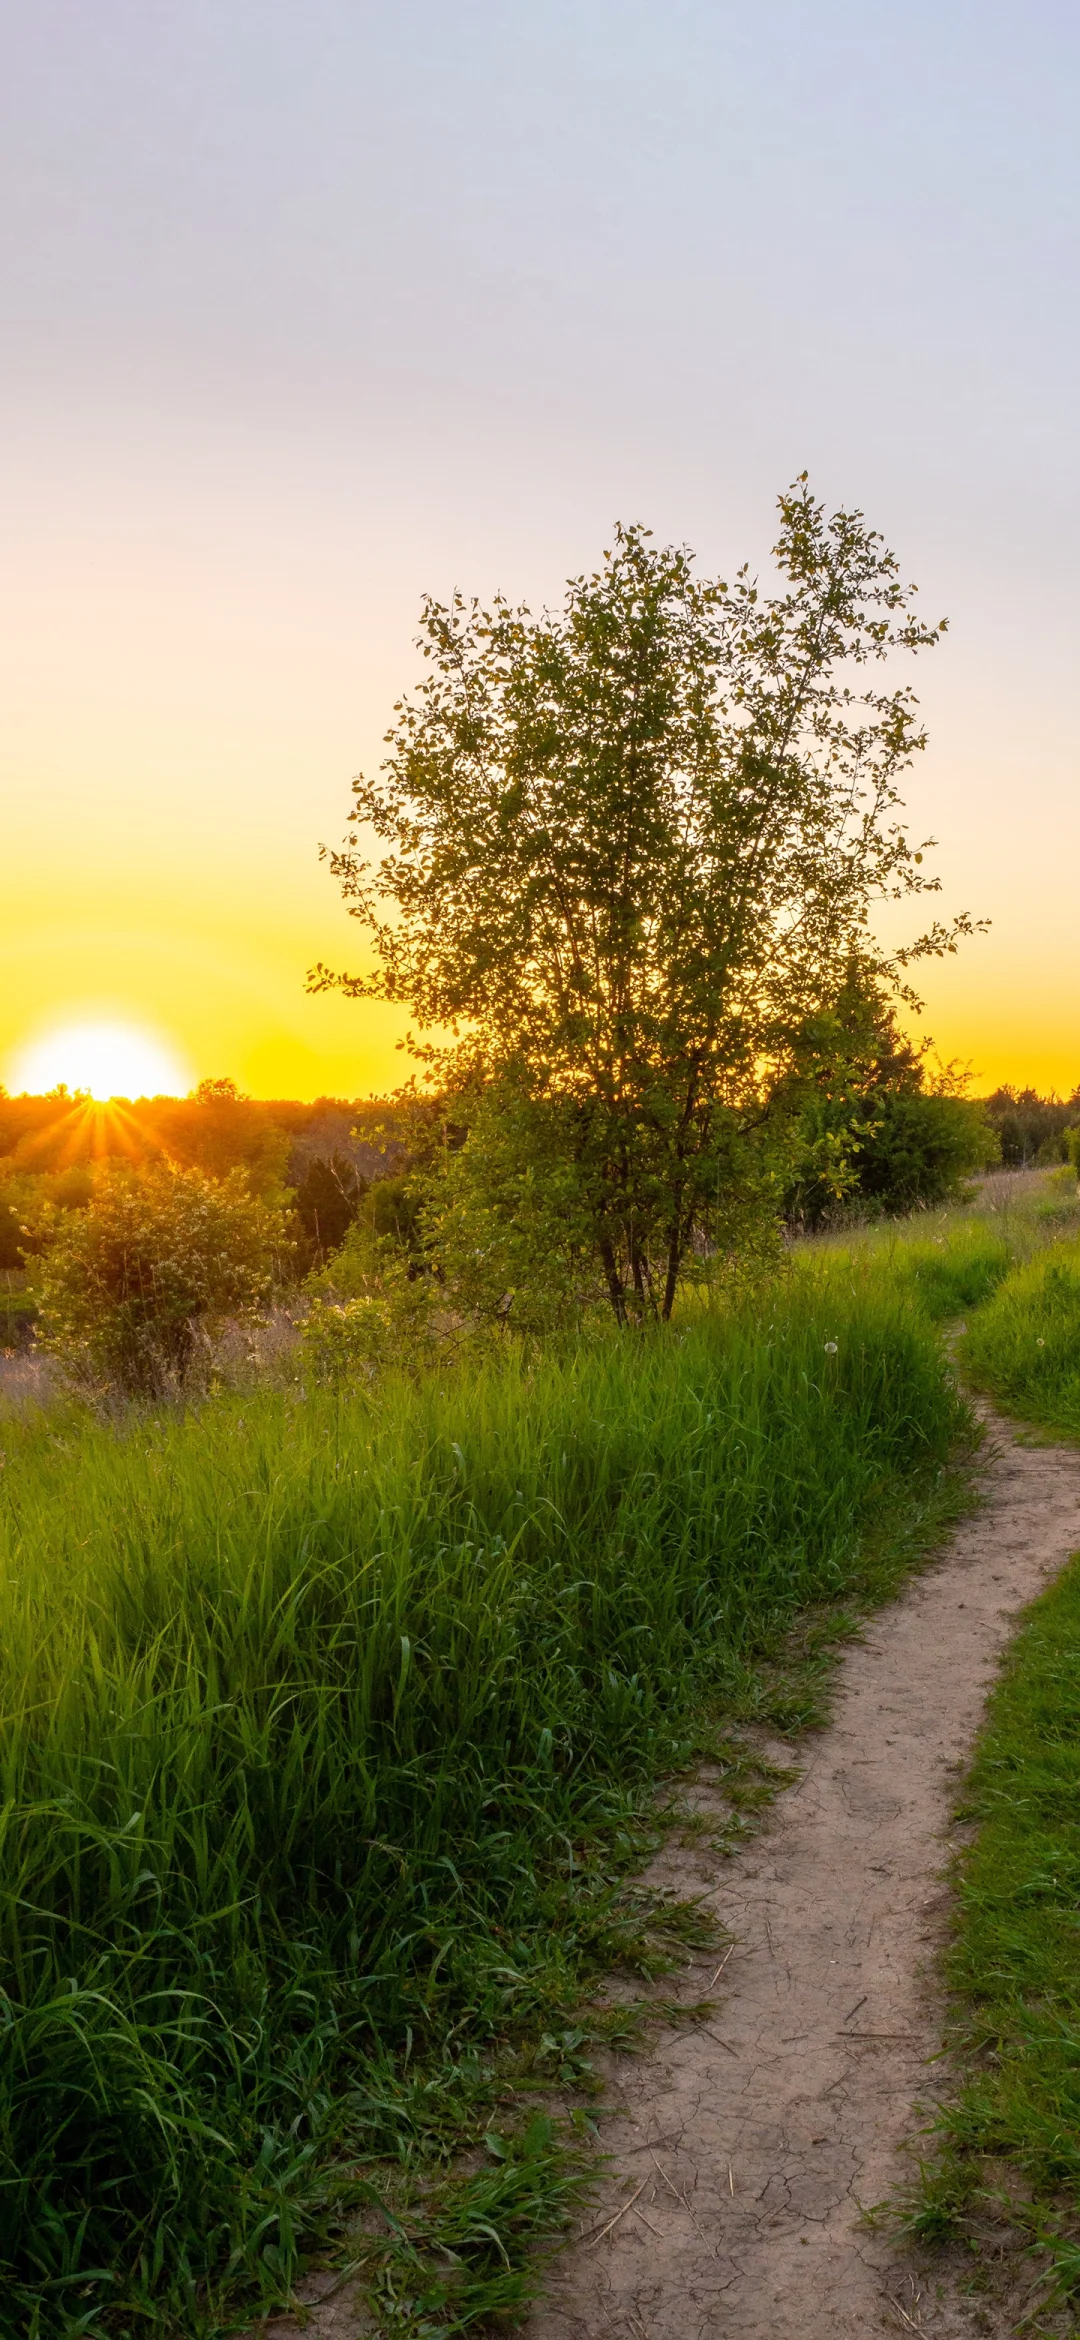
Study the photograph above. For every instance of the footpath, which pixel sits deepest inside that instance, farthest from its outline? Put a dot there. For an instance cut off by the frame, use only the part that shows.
(744, 2152)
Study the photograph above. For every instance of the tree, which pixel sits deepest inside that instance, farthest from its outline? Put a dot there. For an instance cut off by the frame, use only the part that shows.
(327, 1200)
(217, 1130)
(631, 847)
(159, 1258)
(1032, 1128)
(863, 1122)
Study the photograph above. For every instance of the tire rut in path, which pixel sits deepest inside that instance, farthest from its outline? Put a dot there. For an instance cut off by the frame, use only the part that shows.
(748, 2147)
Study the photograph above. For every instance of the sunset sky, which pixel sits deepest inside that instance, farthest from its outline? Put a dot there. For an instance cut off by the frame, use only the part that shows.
(308, 309)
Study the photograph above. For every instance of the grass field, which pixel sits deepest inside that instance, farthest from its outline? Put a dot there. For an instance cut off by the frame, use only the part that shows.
(331, 1731)
(954, 1258)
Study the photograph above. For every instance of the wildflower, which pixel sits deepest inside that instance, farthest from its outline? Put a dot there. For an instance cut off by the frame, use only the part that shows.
(831, 1348)
(1040, 1343)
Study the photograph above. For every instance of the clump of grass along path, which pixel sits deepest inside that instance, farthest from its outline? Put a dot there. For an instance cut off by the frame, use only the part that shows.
(329, 1725)
(1010, 2143)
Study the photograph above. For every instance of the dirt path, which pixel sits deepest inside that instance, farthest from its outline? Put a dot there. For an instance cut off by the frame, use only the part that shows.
(743, 2151)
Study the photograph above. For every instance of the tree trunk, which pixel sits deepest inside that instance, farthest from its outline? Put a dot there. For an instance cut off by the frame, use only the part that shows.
(616, 1295)
(674, 1263)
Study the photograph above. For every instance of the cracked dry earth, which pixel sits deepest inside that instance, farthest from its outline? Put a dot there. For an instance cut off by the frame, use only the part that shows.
(744, 2150)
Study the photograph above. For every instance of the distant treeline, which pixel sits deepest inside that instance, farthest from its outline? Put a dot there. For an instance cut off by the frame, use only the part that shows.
(1032, 1130)
(320, 1157)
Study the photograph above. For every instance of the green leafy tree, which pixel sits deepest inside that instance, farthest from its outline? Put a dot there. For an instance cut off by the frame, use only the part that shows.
(1032, 1129)
(631, 846)
(130, 1287)
(328, 1197)
(218, 1130)
(860, 1120)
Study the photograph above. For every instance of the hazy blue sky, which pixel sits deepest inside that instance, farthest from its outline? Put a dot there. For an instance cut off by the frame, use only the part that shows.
(306, 309)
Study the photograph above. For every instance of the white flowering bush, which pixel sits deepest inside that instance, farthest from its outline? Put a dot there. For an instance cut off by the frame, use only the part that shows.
(131, 1288)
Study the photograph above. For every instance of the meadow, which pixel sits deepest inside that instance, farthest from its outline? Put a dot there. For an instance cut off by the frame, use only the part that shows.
(338, 1723)
(334, 1727)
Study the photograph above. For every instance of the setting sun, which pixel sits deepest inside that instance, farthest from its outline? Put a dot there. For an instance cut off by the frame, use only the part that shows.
(106, 1059)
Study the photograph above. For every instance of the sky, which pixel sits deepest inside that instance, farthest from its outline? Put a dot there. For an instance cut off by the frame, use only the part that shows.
(309, 310)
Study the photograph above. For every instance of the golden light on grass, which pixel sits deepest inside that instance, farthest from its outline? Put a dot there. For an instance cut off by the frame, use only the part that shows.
(102, 1059)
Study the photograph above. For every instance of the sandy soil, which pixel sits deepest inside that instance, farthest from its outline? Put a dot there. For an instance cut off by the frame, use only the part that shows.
(744, 2152)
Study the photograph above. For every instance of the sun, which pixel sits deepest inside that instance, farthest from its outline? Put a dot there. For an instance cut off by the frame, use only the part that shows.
(107, 1059)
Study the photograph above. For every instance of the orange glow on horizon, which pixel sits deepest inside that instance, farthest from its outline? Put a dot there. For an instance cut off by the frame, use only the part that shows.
(84, 1131)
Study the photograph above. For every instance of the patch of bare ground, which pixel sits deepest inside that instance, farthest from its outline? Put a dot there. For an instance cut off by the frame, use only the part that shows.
(745, 2152)
(25, 1379)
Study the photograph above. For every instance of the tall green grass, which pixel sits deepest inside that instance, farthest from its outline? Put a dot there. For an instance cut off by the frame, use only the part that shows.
(1012, 2136)
(1025, 1347)
(324, 1721)
(1016, 1960)
(948, 1275)
(1008, 1219)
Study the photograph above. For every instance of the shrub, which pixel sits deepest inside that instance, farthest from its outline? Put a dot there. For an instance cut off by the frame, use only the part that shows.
(370, 1307)
(327, 1200)
(28, 1202)
(919, 1148)
(17, 1314)
(131, 1287)
(861, 1123)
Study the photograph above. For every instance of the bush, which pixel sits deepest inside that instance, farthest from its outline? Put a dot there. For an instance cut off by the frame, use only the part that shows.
(920, 1147)
(131, 1287)
(370, 1307)
(28, 1202)
(18, 1311)
(327, 1200)
(860, 1123)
